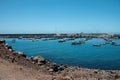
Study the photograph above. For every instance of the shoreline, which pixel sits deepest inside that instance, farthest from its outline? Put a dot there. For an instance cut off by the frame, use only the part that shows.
(64, 72)
(62, 35)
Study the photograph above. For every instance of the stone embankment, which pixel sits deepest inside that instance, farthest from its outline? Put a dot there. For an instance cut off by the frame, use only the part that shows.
(59, 72)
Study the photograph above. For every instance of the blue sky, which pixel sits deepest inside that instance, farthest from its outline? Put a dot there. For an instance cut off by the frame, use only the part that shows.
(59, 16)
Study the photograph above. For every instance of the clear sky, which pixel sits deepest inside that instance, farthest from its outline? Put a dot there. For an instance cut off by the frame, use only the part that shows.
(59, 16)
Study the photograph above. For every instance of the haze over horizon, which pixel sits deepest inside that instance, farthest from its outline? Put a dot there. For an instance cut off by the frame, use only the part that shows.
(59, 16)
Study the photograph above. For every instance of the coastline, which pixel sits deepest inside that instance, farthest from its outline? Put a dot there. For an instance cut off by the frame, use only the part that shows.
(58, 72)
(61, 35)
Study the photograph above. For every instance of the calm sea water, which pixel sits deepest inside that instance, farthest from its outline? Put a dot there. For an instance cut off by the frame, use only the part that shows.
(84, 55)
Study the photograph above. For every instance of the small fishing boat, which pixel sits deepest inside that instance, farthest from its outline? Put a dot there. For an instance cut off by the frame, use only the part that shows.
(75, 43)
(108, 40)
(62, 40)
(79, 42)
(96, 44)
(115, 44)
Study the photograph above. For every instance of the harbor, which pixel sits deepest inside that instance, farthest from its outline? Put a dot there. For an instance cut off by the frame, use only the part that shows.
(66, 49)
(12, 60)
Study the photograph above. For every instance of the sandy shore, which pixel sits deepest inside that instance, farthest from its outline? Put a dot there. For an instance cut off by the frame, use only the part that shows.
(16, 66)
(10, 71)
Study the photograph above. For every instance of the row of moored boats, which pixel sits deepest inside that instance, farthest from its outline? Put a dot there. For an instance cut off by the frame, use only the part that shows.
(107, 41)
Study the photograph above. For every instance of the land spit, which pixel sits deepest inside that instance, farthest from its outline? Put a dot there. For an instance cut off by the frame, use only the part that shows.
(17, 66)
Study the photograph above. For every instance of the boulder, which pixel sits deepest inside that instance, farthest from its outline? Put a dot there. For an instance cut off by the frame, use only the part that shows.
(53, 67)
(11, 50)
(21, 54)
(50, 70)
(8, 46)
(2, 41)
(39, 60)
(56, 67)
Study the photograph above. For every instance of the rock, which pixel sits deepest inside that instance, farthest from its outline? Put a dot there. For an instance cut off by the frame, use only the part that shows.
(34, 58)
(95, 71)
(60, 68)
(21, 54)
(28, 58)
(117, 76)
(55, 67)
(112, 72)
(39, 60)
(33, 62)
(2, 41)
(8, 46)
(50, 70)
(10, 50)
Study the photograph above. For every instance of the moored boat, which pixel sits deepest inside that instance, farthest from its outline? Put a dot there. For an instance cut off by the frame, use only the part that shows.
(79, 42)
(62, 40)
(96, 44)
(115, 44)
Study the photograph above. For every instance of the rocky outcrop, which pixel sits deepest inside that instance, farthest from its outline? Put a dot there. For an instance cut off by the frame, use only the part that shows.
(9, 47)
(39, 60)
(56, 68)
(2, 41)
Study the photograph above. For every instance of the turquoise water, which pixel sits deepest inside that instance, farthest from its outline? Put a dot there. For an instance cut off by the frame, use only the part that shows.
(84, 55)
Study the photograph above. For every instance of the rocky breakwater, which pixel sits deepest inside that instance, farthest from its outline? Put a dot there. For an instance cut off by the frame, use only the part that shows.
(59, 72)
